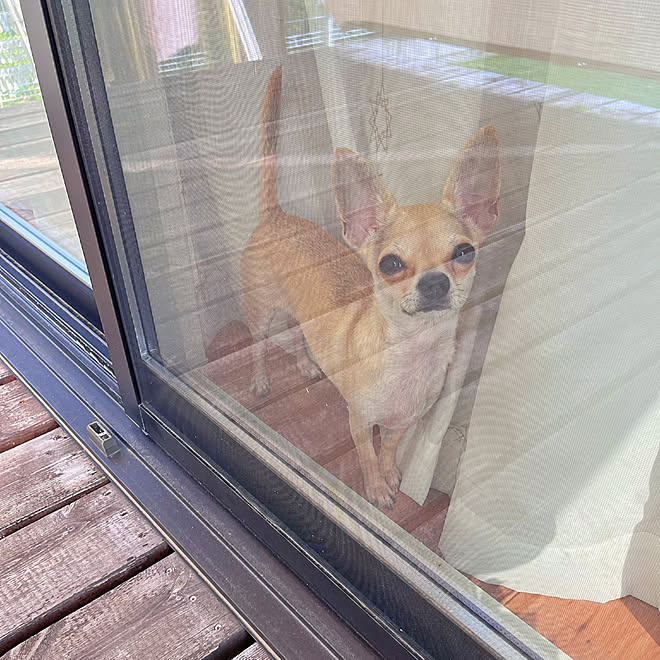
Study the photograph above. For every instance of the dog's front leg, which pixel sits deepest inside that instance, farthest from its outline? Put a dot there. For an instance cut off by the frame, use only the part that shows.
(389, 441)
(377, 490)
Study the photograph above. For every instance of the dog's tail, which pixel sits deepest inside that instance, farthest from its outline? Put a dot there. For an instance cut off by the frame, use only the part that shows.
(269, 133)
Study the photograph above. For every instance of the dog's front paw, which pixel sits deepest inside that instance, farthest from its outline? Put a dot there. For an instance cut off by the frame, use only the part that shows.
(308, 369)
(393, 479)
(379, 494)
(260, 386)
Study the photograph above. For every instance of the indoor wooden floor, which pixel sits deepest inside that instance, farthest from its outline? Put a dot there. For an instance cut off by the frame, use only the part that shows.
(312, 415)
(82, 573)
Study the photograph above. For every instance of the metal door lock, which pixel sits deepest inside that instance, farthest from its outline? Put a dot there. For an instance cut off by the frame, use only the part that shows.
(103, 439)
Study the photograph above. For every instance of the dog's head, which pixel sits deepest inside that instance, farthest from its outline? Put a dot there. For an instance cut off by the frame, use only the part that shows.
(422, 257)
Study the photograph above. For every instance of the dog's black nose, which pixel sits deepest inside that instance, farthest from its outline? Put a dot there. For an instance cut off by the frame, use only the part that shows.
(433, 288)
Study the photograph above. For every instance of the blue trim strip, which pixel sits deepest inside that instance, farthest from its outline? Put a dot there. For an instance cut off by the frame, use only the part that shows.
(62, 274)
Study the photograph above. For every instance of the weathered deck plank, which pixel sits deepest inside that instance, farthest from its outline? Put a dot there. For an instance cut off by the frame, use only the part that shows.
(166, 611)
(33, 129)
(23, 418)
(26, 158)
(62, 561)
(41, 476)
(35, 182)
(9, 112)
(254, 652)
(6, 376)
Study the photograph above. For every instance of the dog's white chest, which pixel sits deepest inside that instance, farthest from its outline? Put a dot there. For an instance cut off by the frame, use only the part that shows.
(413, 377)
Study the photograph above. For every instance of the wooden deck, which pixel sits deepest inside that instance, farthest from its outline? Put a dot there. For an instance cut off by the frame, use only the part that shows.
(312, 415)
(82, 573)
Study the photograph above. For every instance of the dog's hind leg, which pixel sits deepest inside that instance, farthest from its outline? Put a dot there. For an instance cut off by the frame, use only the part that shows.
(304, 359)
(259, 312)
(260, 385)
(291, 339)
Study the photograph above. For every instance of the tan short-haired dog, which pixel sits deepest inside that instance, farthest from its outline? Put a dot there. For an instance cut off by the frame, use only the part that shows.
(379, 319)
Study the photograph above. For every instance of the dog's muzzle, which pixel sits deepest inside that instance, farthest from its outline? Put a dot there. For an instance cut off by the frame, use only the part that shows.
(433, 289)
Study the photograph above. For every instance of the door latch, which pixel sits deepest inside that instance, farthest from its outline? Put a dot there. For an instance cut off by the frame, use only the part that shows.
(103, 439)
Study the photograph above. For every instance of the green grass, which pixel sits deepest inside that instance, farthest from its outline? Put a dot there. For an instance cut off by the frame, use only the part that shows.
(583, 79)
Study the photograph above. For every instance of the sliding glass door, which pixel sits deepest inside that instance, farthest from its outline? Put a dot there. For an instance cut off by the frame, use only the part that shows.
(384, 278)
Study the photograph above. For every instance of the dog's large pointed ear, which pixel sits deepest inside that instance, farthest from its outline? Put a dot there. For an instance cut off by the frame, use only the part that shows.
(473, 187)
(363, 201)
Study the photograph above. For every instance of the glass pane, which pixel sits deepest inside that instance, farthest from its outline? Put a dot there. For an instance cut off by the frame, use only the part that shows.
(415, 249)
(33, 199)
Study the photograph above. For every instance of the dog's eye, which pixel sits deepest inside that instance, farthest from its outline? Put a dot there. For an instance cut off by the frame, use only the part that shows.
(390, 264)
(463, 253)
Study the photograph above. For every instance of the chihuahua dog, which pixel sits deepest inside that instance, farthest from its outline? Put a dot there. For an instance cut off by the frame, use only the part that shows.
(378, 315)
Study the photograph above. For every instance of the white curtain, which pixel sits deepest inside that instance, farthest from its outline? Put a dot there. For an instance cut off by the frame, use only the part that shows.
(558, 491)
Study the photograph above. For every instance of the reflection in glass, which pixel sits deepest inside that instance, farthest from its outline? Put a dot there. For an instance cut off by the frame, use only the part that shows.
(32, 190)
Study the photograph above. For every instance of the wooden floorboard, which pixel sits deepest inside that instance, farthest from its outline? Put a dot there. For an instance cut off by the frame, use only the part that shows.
(32, 130)
(82, 573)
(10, 122)
(165, 611)
(313, 417)
(22, 418)
(26, 185)
(622, 628)
(254, 652)
(429, 531)
(41, 476)
(9, 112)
(70, 557)
(33, 156)
(5, 375)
